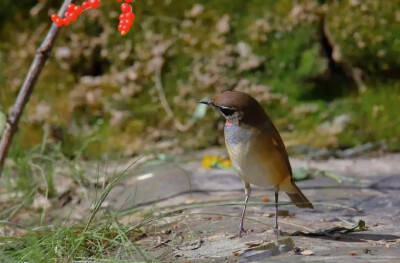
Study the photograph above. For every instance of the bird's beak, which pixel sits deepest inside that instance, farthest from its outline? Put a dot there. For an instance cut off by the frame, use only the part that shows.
(206, 101)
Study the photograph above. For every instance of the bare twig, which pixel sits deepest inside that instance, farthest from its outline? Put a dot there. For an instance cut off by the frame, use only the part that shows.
(25, 92)
(164, 103)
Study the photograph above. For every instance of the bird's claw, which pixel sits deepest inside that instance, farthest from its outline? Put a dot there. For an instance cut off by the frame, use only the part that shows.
(277, 232)
(240, 233)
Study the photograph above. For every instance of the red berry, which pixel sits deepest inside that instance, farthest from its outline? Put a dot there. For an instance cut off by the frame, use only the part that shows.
(85, 5)
(70, 7)
(120, 27)
(128, 22)
(125, 28)
(78, 10)
(66, 21)
(71, 16)
(122, 16)
(94, 3)
(126, 8)
(58, 21)
(54, 17)
(128, 1)
(130, 16)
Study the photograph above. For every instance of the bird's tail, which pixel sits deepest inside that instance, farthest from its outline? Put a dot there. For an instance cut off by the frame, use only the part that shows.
(297, 196)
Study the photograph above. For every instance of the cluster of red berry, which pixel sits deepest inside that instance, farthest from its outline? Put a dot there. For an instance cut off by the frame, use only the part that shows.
(126, 18)
(73, 11)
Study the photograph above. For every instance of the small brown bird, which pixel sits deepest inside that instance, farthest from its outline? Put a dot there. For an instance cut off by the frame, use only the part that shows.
(255, 148)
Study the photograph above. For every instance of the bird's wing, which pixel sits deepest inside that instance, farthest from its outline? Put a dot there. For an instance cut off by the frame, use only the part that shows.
(280, 146)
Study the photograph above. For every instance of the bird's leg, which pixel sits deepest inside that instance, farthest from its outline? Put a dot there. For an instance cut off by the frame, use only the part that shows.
(276, 209)
(247, 191)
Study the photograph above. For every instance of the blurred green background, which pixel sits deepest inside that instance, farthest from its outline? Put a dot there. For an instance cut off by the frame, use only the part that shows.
(327, 72)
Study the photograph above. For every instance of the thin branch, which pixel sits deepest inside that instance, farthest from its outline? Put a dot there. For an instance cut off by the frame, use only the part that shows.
(42, 54)
(164, 103)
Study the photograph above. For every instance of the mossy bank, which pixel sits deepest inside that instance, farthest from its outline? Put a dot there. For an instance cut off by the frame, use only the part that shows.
(326, 71)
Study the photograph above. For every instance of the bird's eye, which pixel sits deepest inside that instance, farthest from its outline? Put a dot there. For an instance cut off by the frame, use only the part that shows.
(227, 111)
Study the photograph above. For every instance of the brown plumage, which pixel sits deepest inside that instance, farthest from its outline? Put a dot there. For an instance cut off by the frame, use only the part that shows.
(255, 147)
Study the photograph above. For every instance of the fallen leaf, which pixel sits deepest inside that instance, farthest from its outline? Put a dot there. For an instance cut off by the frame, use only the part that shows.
(265, 199)
(280, 213)
(334, 232)
(307, 252)
(212, 161)
(353, 254)
(302, 173)
(253, 243)
(190, 201)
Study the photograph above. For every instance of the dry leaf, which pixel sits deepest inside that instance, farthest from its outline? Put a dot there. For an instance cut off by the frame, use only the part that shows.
(280, 213)
(212, 161)
(265, 199)
(253, 243)
(307, 252)
(190, 201)
(353, 254)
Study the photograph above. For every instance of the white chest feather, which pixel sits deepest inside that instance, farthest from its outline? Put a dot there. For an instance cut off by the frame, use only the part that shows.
(245, 156)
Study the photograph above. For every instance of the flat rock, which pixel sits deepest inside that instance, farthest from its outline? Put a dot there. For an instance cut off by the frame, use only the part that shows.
(206, 230)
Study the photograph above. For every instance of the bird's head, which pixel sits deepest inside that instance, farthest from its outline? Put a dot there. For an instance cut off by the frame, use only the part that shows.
(237, 107)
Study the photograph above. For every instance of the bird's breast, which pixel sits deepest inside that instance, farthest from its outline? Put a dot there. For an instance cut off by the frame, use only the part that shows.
(252, 155)
(237, 142)
(234, 134)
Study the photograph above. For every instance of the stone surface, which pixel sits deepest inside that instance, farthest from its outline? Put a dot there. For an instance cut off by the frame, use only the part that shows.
(204, 232)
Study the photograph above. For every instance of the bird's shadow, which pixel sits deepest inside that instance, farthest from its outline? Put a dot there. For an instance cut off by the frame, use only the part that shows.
(357, 237)
(365, 237)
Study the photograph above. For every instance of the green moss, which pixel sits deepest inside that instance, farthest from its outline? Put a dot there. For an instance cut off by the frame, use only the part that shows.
(367, 33)
(374, 116)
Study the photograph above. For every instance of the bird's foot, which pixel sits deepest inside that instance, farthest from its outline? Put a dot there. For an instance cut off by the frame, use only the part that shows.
(277, 231)
(241, 233)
